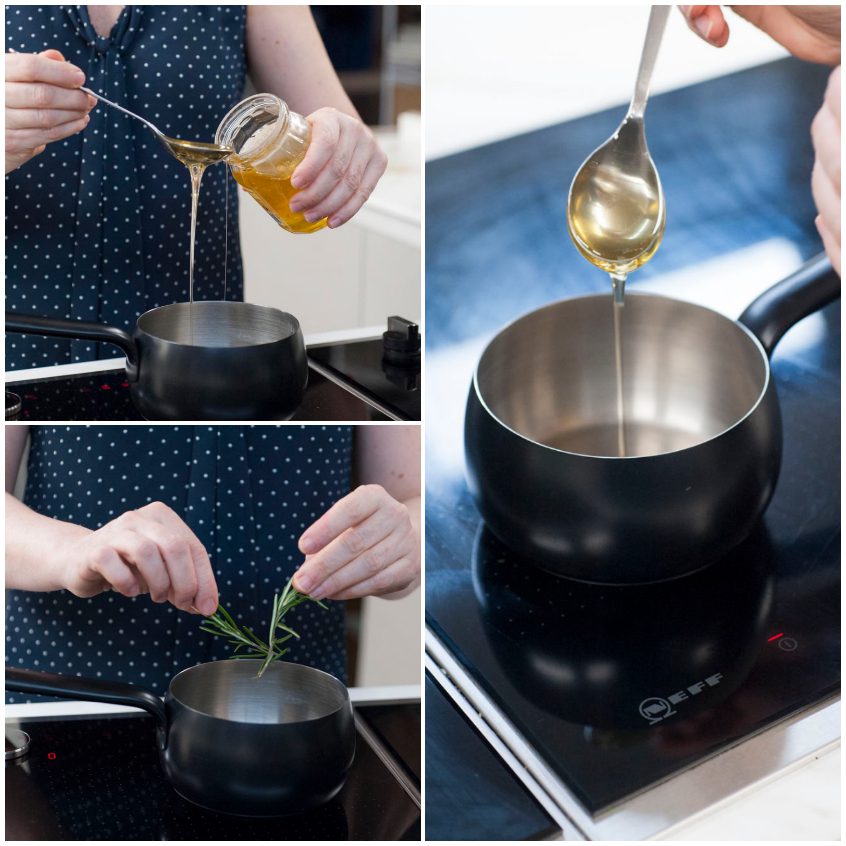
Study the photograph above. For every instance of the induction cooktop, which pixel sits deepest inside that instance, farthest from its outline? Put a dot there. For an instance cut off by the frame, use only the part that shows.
(99, 778)
(356, 380)
(617, 689)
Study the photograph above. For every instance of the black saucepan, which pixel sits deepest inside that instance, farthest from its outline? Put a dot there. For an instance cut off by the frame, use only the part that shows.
(210, 360)
(231, 742)
(701, 435)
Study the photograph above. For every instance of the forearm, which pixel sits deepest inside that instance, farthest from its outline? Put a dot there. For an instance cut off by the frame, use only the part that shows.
(286, 57)
(34, 547)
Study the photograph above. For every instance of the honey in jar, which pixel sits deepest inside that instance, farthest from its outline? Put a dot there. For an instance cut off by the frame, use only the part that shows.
(268, 142)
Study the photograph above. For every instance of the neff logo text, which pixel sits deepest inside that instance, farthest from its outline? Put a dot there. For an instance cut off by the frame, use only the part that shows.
(655, 708)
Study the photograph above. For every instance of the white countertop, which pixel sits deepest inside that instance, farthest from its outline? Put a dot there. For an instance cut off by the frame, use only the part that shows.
(801, 804)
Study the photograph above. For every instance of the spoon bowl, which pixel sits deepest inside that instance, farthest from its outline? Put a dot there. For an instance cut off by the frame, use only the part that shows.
(615, 210)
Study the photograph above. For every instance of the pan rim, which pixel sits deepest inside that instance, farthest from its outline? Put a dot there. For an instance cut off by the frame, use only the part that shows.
(343, 705)
(639, 294)
(202, 304)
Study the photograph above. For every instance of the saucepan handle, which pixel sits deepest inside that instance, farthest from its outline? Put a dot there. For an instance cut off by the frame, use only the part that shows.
(814, 285)
(88, 690)
(31, 324)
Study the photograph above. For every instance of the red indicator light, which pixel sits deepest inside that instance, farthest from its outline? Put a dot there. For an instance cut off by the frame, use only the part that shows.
(51, 756)
(775, 637)
(105, 387)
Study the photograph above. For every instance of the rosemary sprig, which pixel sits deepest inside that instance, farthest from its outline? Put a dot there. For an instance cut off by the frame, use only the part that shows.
(221, 624)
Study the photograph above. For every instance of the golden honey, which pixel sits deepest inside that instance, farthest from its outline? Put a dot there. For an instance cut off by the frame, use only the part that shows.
(616, 221)
(274, 194)
(269, 141)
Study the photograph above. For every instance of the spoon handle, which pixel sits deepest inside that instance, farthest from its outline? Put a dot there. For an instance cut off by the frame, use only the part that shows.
(120, 108)
(654, 33)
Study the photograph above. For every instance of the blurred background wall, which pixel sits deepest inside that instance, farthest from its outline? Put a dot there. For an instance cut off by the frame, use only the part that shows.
(502, 70)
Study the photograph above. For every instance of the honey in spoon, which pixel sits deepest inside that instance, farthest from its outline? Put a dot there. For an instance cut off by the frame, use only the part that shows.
(616, 212)
(615, 209)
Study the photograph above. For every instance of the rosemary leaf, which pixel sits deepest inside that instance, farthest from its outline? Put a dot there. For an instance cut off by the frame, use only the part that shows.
(222, 624)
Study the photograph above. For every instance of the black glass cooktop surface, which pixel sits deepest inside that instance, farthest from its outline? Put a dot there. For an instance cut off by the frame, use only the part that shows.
(100, 779)
(620, 688)
(368, 389)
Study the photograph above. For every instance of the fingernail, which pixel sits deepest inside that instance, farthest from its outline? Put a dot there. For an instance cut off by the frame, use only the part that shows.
(307, 542)
(303, 583)
(208, 608)
(333, 222)
(297, 180)
(312, 216)
(295, 205)
(703, 26)
(319, 593)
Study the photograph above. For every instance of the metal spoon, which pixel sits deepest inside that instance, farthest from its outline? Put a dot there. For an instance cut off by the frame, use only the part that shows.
(615, 209)
(188, 152)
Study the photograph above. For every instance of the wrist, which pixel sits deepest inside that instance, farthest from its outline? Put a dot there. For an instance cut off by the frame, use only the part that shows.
(39, 549)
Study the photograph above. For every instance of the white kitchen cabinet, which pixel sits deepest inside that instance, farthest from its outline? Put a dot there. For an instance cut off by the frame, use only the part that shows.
(345, 278)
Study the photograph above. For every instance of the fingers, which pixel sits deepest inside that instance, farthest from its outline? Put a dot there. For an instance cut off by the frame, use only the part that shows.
(36, 95)
(832, 94)
(205, 594)
(367, 567)
(109, 566)
(398, 577)
(21, 140)
(40, 118)
(830, 243)
(48, 67)
(159, 554)
(825, 133)
(325, 134)
(43, 104)
(340, 170)
(337, 161)
(364, 545)
(372, 175)
(142, 554)
(353, 509)
(827, 200)
(356, 554)
(708, 23)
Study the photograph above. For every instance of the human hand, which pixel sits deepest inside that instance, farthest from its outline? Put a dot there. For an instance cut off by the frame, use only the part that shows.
(825, 178)
(364, 545)
(809, 32)
(150, 550)
(42, 103)
(340, 169)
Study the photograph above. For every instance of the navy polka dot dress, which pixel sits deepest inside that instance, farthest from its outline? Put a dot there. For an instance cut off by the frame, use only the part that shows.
(98, 225)
(248, 493)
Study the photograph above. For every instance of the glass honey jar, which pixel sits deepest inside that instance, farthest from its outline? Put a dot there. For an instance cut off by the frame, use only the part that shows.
(268, 142)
